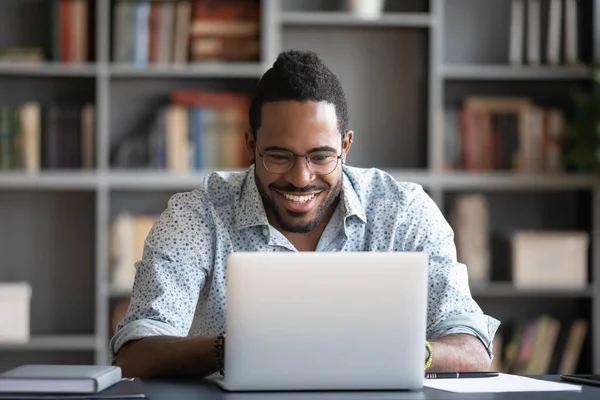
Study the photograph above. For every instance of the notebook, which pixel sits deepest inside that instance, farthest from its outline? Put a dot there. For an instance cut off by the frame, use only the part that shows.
(126, 388)
(59, 378)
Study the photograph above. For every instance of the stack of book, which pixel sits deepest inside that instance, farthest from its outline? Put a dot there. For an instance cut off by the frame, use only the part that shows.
(169, 31)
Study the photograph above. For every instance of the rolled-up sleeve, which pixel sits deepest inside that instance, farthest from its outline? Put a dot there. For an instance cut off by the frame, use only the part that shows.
(451, 308)
(170, 275)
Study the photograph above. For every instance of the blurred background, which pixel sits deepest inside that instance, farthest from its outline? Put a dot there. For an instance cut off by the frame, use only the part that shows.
(108, 107)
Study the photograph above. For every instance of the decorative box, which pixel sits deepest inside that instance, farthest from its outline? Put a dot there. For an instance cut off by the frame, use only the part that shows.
(550, 260)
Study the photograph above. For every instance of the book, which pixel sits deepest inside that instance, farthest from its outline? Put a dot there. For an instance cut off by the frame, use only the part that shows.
(126, 388)
(33, 378)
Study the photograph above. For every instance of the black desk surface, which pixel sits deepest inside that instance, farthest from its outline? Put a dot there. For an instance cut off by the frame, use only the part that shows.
(203, 390)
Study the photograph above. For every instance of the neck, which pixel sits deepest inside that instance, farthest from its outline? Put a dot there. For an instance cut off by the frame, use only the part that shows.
(305, 241)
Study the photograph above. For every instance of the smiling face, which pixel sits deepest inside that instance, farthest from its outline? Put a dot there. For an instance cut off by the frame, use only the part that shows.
(296, 201)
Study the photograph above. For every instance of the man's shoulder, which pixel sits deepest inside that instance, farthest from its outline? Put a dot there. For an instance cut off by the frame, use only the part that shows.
(373, 184)
(217, 189)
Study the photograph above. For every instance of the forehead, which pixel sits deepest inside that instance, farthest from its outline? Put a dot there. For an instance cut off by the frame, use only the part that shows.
(298, 125)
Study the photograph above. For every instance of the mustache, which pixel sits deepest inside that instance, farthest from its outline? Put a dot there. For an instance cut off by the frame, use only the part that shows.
(293, 189)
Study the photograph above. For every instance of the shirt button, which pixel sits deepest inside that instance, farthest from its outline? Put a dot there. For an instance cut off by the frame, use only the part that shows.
(265, 231)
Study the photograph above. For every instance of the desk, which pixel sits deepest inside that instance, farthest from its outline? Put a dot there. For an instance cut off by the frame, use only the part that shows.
(186, 390)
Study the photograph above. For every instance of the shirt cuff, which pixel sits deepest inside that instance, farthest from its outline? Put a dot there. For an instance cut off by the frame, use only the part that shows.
(479, 325)
(138, 329)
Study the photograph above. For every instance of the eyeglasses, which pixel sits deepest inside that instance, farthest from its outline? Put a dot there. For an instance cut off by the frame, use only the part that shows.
(320, 162)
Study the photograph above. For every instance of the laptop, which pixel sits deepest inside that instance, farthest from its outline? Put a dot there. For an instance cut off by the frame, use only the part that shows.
(325, 321)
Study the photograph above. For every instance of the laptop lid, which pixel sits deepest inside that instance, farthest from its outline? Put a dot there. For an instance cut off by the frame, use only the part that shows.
(325, 321)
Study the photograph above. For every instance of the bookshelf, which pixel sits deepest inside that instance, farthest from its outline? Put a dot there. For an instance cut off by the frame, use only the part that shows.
(400, 73)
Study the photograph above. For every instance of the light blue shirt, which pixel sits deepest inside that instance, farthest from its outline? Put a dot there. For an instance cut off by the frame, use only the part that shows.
(179, 287)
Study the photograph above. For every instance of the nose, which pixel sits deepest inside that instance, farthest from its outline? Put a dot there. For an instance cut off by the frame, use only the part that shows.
(300, 175)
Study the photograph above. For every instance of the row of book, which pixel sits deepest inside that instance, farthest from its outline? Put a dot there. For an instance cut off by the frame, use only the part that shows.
(33, 137)
(169, 31)
(543, 345)
(544, 32)
(194, 130)
(503, 133)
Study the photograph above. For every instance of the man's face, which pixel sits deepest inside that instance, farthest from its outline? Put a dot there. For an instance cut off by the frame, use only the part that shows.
(298, 199)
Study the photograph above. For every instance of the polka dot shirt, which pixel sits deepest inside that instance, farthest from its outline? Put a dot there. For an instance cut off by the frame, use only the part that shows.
(179, 287)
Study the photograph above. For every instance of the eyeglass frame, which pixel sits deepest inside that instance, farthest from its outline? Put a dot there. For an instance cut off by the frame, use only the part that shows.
(305, 156)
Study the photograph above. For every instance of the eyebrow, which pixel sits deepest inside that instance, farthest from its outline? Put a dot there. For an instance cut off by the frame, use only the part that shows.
(321, 148)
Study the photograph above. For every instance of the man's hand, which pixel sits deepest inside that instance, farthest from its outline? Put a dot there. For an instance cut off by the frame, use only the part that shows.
(458, 353)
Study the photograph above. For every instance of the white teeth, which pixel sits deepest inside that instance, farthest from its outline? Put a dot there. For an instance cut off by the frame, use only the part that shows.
(298, 199)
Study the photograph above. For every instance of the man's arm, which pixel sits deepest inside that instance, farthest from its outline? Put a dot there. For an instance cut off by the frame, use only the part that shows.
(165, 357)
(458, 353)
(459, 332)
(151, 340)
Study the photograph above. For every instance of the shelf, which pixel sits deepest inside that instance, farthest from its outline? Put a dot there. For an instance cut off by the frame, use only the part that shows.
(54, 342)
(508, 290)
(508, 180)
(130, 180)
(49, 69)
(160, 180)
(198, 70)
(59, 180)
(419, 20)
(423, 178)
(163, 180)
(514, 72)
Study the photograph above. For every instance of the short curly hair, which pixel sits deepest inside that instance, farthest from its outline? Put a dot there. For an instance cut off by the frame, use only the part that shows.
(302, 76)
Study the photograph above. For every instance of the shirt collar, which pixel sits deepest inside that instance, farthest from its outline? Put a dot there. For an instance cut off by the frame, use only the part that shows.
(251, 210)
(350, 201)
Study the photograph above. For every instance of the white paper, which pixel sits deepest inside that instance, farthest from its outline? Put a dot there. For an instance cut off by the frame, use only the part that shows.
(499, 384)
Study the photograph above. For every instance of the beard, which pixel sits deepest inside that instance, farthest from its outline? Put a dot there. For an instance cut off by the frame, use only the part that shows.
(294, 224)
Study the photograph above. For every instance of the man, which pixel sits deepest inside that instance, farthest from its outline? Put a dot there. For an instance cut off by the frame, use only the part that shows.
(298, 195)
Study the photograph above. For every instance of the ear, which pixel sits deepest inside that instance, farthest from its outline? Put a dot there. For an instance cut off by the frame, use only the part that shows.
(347, 143)
(250, 146)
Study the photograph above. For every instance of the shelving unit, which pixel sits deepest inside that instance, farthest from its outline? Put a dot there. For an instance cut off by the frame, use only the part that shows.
(399, 72)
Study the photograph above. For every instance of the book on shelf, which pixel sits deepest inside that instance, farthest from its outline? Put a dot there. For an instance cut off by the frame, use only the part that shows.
(544, 32)
(537, 346)
(469, 218)
(72, 24)
(503, 133)
(33, 137)
(128, 234)
(178, 32)
(195, 130)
